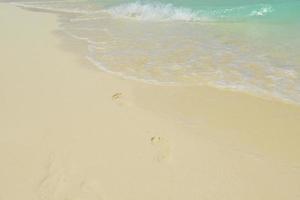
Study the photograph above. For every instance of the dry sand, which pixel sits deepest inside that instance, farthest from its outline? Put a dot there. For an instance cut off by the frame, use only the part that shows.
(71, 132)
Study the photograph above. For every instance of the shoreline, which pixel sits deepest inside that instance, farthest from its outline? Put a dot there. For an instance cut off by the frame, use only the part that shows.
(256, 92)
(71, 131)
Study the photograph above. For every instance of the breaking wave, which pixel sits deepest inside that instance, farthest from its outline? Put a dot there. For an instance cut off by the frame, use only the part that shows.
(168, 12)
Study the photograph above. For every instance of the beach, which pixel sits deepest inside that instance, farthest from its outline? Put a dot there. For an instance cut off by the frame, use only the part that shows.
(71, 131)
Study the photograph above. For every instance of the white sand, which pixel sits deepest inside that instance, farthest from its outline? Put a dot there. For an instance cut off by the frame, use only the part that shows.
(71, 132)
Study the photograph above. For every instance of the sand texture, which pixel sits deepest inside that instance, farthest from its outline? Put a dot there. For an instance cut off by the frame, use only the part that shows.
(69, 131)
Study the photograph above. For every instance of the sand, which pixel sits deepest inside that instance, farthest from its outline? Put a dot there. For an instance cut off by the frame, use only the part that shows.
(69, 131)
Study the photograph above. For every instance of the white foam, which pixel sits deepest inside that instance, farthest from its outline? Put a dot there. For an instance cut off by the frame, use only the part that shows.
(155, 12)
(169, 12)
(262, 11)
(279, 82)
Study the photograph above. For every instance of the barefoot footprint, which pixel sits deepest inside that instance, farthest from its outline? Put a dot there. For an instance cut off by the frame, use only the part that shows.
(162, 148)
(116, 96)
(59, 183)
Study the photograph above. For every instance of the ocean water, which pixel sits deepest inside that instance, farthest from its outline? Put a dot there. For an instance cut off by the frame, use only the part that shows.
(250, 46)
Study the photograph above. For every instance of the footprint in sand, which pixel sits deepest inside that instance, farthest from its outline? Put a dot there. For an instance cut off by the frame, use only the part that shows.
(60, 184)
(118, 98)
(121, 99)
(162, 148)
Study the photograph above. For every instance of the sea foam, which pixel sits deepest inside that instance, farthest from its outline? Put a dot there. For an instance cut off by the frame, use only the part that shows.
(169, 12)
(245, 56)
(154, 11)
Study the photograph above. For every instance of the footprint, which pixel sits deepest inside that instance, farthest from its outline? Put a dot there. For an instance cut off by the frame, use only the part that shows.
(116, 96)
(155, 140)
(162, 148)
(121, 99)
(59, 183)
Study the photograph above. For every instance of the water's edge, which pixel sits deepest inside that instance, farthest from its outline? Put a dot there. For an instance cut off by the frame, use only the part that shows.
(124, 57)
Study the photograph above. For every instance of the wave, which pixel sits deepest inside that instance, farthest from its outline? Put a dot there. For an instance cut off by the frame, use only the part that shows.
(243, 57)
(158, 11)
(262, 11)
(169, 12)
(154, 11)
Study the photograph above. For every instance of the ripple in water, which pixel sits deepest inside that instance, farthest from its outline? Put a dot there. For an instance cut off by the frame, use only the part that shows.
(251, 48)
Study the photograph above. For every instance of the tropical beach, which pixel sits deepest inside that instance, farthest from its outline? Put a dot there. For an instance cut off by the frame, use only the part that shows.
(81, 118)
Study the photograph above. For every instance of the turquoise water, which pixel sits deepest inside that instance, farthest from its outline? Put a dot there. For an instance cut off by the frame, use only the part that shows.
(225, 10)
(250, 46)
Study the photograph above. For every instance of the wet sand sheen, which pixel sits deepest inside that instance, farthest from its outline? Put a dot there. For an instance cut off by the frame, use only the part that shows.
(69, 131)
(157, 44)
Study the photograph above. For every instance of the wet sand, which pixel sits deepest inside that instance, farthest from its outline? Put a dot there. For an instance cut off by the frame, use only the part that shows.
(70, 131)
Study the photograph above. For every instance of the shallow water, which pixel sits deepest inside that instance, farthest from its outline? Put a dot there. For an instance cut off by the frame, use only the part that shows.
(249, 46)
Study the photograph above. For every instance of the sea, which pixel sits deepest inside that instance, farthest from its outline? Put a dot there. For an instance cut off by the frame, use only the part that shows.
(250, 46)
